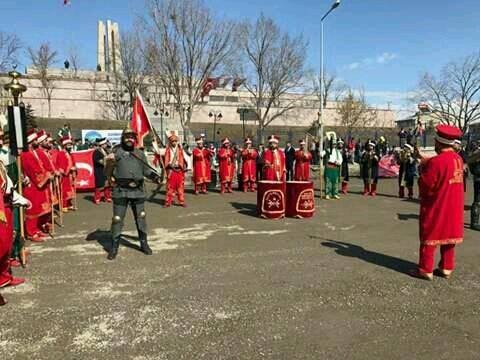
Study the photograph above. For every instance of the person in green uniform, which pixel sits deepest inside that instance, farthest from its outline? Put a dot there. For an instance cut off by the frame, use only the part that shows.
(333, 161)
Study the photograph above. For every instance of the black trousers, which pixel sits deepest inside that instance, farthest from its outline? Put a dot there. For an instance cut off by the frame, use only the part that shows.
(120, 206)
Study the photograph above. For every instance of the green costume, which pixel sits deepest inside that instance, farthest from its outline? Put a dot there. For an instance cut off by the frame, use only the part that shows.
(333, 162)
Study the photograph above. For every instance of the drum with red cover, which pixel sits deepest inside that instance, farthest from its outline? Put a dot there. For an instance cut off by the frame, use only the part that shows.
(271, 199)
(300, 199)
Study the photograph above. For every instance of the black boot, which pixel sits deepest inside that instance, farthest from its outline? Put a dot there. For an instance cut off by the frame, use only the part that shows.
(474, 216)
(144, 247)
(112, 254)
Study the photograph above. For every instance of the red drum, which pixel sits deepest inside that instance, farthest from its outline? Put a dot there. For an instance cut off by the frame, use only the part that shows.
(300, 199)
(271, 199)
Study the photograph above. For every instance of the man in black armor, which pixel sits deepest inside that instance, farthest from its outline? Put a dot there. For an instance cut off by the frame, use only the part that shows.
(126, 169)
(474, 164)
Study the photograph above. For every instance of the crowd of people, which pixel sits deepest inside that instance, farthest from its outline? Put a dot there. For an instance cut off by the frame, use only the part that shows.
(36, 190)
(46, 176)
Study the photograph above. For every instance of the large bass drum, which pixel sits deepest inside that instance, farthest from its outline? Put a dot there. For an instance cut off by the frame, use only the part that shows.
(271, 199)
(300, 199)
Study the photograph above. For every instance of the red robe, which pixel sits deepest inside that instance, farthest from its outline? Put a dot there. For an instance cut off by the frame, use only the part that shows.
(226, 159)
(201, 166)
(274, 165)
(66, 166)
(37, 191)
(442, 200)
(175, 175)
(48, 163)
(249, 165)
(302, 165)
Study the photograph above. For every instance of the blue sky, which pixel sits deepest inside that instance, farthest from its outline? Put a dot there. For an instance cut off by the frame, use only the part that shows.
(380, 45)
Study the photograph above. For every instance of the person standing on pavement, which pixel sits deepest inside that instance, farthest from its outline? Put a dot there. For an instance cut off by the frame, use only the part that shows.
(289, 160)
(125, 168)
(441, 205)
(273, 161)
(474, 165)
(303, 157)
(99, 172)
(333, 159)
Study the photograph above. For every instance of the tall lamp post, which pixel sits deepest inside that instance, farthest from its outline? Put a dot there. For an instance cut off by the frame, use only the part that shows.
(216, 115)
(320, 118)
(242, 112)
(15, 88)
(162, 112)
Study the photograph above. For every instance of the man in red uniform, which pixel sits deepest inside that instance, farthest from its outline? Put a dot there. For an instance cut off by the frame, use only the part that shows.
(44, 153)
(302, 163)
(66, 166)
(36, 190)
(226, 158)
(175, 167)
(441, 205)
(8, 198)
(201, 167)
(249, 166)
(274, 161)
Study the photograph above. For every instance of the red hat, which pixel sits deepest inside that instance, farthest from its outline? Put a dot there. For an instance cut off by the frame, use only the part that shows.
(42, 136)
(447, 134)
(31, 135)
(66, 140)
(273, 138)
(226, 141)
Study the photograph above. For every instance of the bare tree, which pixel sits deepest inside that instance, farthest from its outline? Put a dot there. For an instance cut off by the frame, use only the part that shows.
(354, 111)
(333, 88)
(274, 66)
(74, 58)
(186, 44)
(42, 59)
(116, 101)
(453, 96)
(10, 45)
(133, 66)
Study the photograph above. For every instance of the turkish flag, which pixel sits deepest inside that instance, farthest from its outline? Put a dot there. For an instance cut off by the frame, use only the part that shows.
(83, 161)
(140, 122)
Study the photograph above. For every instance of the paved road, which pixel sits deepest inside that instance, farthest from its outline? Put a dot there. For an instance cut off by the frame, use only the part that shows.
(223, 284)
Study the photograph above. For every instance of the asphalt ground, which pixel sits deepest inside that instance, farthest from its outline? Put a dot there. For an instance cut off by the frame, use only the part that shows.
(224, 284)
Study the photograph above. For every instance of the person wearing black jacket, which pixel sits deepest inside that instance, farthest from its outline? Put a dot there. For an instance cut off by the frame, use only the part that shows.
(289, 160)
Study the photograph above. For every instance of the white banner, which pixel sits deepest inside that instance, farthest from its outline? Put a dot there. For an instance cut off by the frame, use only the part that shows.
(113, 136)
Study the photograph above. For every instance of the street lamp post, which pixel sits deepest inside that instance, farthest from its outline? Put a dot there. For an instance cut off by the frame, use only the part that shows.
(162, 112)
(216, 115)
(320, 118)
(242, 112)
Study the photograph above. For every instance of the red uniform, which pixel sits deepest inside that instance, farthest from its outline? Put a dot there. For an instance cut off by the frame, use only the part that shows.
(302, 165)
(249, 169)
(175, 168)
(37, 192)
(201, 169)
(6, 230)
(49, 164)
(274, 165)
(441, 209)
(66, 166)
(226, 158)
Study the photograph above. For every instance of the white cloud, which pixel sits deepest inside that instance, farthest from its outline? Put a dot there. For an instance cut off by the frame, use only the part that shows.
(381, 59)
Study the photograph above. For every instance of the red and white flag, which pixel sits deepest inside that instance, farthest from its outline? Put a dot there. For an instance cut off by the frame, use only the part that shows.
(83, 160)
(140, 122)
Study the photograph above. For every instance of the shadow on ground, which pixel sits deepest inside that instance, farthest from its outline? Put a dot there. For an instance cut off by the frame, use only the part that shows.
(245, 208)
(372, 257)
(104, 238)
(406, 217)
